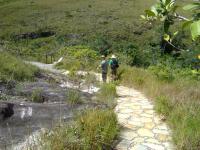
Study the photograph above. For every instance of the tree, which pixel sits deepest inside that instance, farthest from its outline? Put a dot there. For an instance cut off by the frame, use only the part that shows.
(165, 11)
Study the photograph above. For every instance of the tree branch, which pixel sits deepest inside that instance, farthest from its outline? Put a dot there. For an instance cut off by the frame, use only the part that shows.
(181, 17)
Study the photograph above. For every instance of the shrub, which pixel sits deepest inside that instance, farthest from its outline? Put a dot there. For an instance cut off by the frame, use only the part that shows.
(37, 96)
(73, 97)
(81, 57)
(13, 68)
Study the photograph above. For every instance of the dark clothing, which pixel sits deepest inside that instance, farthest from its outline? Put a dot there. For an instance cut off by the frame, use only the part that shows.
(104, 76)
(114, 65)
(104, 67)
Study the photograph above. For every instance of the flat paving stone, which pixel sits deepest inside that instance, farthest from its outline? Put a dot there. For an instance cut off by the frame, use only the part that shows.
(142, 128)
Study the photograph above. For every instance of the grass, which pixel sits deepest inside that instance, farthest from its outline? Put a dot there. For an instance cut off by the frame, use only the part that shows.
(84, 133)
(107, 94)
(177, 99)
(13, 68)
(103, 25)
(73, 97)
(93, 129)
(37, 96)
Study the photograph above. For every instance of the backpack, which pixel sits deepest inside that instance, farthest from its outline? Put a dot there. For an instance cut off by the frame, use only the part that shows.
(114, 64)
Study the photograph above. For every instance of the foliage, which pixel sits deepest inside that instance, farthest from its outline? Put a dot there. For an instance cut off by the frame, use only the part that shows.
(81, 57)
(194, 23)
(73, 97)
(107, 94)
(165, 11)
(84, 133)
(163, 105)
(178, 100)
(37, 96)
(101, 132)
(13, 68)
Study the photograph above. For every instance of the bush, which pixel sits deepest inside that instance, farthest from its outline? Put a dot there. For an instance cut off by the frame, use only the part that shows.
(94, 129)
(13, 68)
(81, 57)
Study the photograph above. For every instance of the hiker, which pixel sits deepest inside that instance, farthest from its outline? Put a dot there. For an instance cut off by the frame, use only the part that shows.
(113, 65)
(104, 68)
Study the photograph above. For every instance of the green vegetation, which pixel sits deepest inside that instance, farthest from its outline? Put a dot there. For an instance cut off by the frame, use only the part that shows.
(73, 97)
(83, 30)
(107, 94)
(36, 96)
(78, 58)
(13, 68)
(176, 96)
(39, 30)
(94, 129)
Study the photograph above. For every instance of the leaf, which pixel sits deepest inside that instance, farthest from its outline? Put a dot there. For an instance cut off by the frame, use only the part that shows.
(175, 33)
(195, 29)
(166, 37)
(154, 9)
(187, 24)
(142, 16)
(150, 13)
(193, 6)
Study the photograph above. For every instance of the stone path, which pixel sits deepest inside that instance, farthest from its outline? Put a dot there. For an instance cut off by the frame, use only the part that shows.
(141, 128)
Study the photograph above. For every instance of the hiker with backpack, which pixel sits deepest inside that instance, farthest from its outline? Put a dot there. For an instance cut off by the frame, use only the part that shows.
(114, 65)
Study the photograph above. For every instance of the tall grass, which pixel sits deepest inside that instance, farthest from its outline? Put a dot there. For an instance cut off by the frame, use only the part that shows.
(107, 94)
(13, 68)
(178, 100)
(92, 130)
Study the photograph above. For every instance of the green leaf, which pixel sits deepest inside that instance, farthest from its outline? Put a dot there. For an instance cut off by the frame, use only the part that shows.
(193, 6)
(195, 29)
(142, 16)
(154, 9)
(166, 37)
(150, 13)
(175, 33)
(187, 24)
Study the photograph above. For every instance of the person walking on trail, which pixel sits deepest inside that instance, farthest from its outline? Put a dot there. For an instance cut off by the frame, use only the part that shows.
(114, 65)
(104, 68)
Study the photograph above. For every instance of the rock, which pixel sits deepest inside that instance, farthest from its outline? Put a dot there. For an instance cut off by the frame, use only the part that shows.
(154, 146)
(145, 133)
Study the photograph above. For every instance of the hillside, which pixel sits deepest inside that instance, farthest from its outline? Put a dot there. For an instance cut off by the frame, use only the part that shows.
(115, 25)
